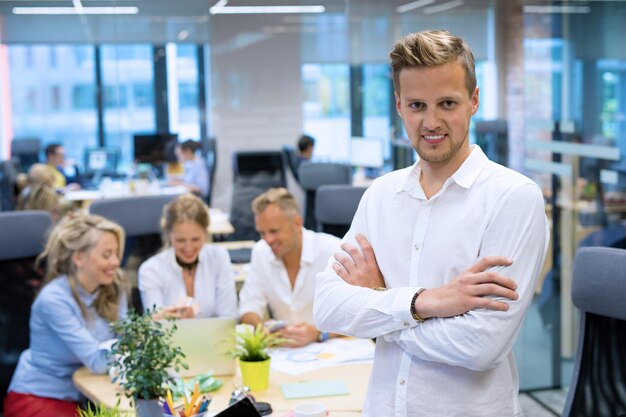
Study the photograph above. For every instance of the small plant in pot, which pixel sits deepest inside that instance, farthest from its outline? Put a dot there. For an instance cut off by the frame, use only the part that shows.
(143, 356)
(252, 347)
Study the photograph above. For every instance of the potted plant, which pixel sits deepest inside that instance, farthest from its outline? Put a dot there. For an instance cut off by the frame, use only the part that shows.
(251, 348)
(100, 411)
(144, 354)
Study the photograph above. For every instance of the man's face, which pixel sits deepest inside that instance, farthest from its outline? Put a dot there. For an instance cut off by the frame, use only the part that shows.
(436, 108)
(58, 157)
(280, 231)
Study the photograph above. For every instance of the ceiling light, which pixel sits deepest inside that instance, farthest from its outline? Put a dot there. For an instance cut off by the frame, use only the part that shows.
(221, 8)
(73, 10)
(413, 5)
(267, 9)
(557, 9)
(443, 7)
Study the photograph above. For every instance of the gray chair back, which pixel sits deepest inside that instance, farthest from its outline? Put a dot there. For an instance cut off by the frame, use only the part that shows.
(138, 215)
(599, 376)
(335, 206)
(23, 238)
(23, 233)
(313, 175)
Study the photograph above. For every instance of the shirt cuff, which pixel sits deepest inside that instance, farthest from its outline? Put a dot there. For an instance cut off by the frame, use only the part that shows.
(401, 306)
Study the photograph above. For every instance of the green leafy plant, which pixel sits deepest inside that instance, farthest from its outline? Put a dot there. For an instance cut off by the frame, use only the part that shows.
(144, 354)
(252, 344)
(100, 411)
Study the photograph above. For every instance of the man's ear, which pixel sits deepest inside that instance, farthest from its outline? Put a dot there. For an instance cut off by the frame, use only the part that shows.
(297, 219)
(398, 104)
(475, 101)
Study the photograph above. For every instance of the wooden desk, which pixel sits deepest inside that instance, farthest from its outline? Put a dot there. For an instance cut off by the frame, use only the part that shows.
(100, 389)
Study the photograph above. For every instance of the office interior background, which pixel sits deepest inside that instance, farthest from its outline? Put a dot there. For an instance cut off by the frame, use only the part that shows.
(552, 78)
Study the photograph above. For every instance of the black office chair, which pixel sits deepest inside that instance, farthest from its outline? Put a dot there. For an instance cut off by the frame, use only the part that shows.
(139, 217)
(8, 185)
(315, 174)
(26, 152)
(492, 137)
(23, 238)
(598, 385)
(209, 153)
(291, 160)
(335, 206)
(253, 173)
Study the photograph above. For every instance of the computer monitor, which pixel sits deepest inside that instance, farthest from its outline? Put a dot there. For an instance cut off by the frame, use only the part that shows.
(101, 161)
(155, 148)
(366, 152)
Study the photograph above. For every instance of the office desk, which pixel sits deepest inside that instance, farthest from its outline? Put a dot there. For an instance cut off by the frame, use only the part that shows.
(219, 224)
(100, 389)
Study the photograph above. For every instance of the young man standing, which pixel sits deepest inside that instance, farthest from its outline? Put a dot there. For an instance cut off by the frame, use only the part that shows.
(283, 268)
(438, 243)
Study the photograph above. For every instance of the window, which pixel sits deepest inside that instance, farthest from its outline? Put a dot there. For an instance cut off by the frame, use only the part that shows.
(127, 68)
(39, 112)
(184, 113)
(326, 109)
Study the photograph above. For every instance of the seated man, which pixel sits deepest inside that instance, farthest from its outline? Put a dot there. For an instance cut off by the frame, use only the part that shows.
(283, 267)
(55, 158)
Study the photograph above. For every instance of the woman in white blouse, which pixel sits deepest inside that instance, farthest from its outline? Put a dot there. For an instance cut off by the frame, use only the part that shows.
(188, 278)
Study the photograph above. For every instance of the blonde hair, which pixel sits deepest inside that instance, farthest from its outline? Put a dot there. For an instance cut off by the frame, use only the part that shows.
(431, 49)
(40, 174)
(279, 196)
(186, 208)
(80, 233)
(40, 194)
(40, 197)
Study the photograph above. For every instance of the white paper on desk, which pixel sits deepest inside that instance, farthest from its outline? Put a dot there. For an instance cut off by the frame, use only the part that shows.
(318, 355)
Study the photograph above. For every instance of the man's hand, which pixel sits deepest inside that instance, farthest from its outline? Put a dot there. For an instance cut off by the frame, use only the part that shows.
(185, 312)
(468, 291)
(360, 268)
(300, 334)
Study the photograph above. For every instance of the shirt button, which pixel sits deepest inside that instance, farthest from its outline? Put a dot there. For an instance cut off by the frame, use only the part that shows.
(406, 324)
(402, 382)
(416, 246)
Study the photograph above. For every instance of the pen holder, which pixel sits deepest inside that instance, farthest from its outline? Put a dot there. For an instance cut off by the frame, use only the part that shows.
(203, 414)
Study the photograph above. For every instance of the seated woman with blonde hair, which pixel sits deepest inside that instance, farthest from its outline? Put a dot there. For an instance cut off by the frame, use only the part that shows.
(39, 193)
(83, 292)
(189, 278)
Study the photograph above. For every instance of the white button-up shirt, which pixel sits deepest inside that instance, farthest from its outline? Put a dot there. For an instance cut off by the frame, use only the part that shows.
(460, 366)
(268, 285)
(161, 283)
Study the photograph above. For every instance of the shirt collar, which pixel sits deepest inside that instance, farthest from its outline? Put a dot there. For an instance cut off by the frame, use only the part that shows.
(464, 176)
(307, 256)
(87, 298)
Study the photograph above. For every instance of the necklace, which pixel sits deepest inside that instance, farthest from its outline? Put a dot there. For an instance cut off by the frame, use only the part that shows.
(187, 265)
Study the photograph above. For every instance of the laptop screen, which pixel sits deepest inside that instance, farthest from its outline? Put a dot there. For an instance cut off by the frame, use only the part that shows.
(205, 341)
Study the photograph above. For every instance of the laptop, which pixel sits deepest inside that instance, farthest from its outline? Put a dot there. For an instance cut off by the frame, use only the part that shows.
(205, 341)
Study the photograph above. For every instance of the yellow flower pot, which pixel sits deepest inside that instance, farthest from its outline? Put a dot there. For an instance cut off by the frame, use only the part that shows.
(256, 375)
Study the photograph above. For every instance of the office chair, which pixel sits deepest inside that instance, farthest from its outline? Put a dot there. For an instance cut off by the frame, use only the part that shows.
(291, 160)
(492, 137)
(8, 185)
(253, 173)
(139, 217)
(335, 206)
(26, 152)
(210, 156)
(599, 376)
(23, 238)
(315, 174)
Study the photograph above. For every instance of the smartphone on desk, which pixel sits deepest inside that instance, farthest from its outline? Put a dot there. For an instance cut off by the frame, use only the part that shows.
(274, 325)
